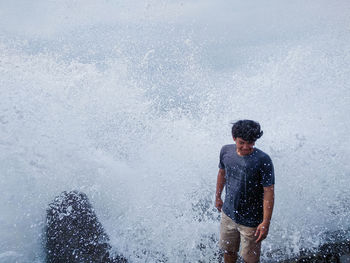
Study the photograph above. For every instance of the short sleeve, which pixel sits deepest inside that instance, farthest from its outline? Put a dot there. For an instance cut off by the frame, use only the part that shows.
(267, 172)
(221, 163)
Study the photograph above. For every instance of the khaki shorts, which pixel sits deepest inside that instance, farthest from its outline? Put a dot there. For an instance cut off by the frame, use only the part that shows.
(233, 234)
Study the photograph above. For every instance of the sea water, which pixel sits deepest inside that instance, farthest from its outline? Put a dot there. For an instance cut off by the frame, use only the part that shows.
(131, 101)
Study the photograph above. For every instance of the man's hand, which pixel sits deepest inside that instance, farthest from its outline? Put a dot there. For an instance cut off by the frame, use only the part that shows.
(269, 198)
(219, 186)
(262, 231)
(218, 203)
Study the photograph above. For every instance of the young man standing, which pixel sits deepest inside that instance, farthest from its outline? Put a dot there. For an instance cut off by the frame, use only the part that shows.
(248, 177)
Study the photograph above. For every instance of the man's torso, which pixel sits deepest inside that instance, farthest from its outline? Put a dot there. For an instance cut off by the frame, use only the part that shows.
(245, 177)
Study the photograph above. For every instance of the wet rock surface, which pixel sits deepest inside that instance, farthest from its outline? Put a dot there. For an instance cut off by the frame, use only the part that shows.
(74, 234)
(338, 252)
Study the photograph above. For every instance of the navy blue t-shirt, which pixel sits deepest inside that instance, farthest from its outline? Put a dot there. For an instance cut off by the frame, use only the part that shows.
(245, 178)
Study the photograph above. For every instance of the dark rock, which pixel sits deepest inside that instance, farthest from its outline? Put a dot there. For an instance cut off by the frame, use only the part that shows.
(74, 234)
(327, 253)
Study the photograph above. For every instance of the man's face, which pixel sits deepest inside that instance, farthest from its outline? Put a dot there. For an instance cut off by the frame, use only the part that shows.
(243, 147)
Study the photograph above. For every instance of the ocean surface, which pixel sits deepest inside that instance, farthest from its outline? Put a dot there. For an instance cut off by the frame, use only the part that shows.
(131, 101)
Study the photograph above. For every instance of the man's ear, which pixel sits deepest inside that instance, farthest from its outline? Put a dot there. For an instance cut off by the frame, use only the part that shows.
(234, 138)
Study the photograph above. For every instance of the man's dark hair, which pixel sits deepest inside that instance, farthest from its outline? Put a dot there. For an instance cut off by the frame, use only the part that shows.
(248, 130)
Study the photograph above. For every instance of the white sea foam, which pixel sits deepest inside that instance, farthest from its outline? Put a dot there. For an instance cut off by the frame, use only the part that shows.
(131, 105)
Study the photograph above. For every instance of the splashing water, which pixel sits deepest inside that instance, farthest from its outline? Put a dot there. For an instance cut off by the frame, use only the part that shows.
(131, 102)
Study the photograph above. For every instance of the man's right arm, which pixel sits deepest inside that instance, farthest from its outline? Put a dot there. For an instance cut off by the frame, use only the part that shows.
(219, 187)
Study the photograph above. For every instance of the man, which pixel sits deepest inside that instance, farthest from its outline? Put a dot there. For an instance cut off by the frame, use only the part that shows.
(248, 177)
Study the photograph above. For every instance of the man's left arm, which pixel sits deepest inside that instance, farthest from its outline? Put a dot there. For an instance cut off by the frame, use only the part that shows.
(269, 198)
